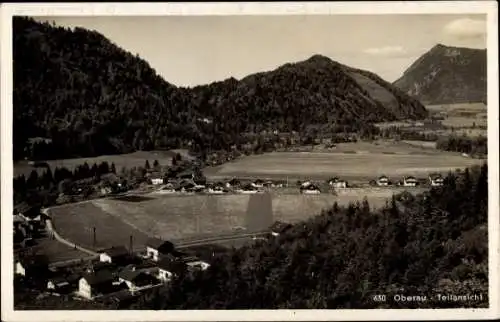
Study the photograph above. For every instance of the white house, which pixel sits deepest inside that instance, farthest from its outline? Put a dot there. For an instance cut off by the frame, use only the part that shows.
(156, 181)
(20, 269)
(410, 181)
(137, 280)
(113, 254)
(310, 189)
(157, 247)
(382, 181)
(337, 183)
(436, 180)
(168, 269)
(258, 183)
(103, 282)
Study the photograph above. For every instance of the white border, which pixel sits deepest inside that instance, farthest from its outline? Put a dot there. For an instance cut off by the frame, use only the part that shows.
(163, 9)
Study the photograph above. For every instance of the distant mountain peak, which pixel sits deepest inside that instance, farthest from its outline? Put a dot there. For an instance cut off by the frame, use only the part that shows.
(446, 75)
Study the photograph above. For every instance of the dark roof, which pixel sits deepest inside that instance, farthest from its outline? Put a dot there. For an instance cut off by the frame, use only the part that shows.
(100, 277)
(97, 266)
(280, 227)
(410, 178)
(383, 177)
(162, 246)
(128, 274)
(175, 267)
(115, 251)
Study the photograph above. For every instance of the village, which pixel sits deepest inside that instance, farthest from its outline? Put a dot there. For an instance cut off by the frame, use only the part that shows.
(116, 275)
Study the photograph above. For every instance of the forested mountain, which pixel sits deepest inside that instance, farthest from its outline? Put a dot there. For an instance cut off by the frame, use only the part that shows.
(430, 244)
(447, 75)
(90, 97)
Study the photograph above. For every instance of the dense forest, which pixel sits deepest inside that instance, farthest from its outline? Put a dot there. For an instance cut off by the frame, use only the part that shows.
(447, 75)
(78, 94)
(429, 244)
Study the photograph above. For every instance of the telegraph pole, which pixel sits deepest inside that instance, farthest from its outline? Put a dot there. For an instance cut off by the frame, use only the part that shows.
(94, 241)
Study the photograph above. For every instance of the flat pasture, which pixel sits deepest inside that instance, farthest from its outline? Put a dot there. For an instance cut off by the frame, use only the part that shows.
(186, 217)
(359, 166)
(129, 160)
(55, 251)
(75, 222)
(461, 115)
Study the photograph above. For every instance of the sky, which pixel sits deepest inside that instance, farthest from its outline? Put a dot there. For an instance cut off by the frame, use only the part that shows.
(194, 50)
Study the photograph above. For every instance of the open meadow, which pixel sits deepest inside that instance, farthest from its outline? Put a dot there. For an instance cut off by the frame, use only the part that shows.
(459, 119)
(184, 217)
(356, 162)
(129, 160)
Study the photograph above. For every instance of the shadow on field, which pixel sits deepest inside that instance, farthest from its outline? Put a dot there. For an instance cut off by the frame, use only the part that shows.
(133, 198)
(259, 215)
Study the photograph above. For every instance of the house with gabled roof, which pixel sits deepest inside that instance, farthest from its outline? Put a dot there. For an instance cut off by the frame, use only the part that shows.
(436, 180)
(63, 284)
(310, 189)
(97, 284)
(410, 181)
(337, 183)
(156, 247)
(137, 280)
(383, 181)
(168, 269)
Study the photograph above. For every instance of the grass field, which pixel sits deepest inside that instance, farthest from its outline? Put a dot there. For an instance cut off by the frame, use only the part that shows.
(180, 217)
(358, 166)
(136, 159)
(55, 251)
(75, 222)
(461, 115)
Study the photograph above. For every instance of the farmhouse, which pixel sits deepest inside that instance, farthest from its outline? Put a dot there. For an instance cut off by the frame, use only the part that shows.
(26, 211)
(279, 227)
(337, 183)
(137, 280)
(383, 181)
(310, 189)
(93, 285)
(168, 269)
(157, 247)
(410, 181)
(62, 285)
(113, 255)
(156, 178)
(436, 180)
(258, 183)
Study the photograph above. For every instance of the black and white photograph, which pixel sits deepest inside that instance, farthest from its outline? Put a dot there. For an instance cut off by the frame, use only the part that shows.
(225, 163)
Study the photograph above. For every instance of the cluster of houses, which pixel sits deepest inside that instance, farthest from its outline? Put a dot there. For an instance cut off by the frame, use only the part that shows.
(189, 185)
(28, 225)
(434, 180)
(119, 273)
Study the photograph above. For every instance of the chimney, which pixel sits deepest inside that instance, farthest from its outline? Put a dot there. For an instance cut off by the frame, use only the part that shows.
(131, 249)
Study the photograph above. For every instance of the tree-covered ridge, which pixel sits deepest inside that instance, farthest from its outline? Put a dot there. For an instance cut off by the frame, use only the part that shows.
(90, 97)
(430, 244)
